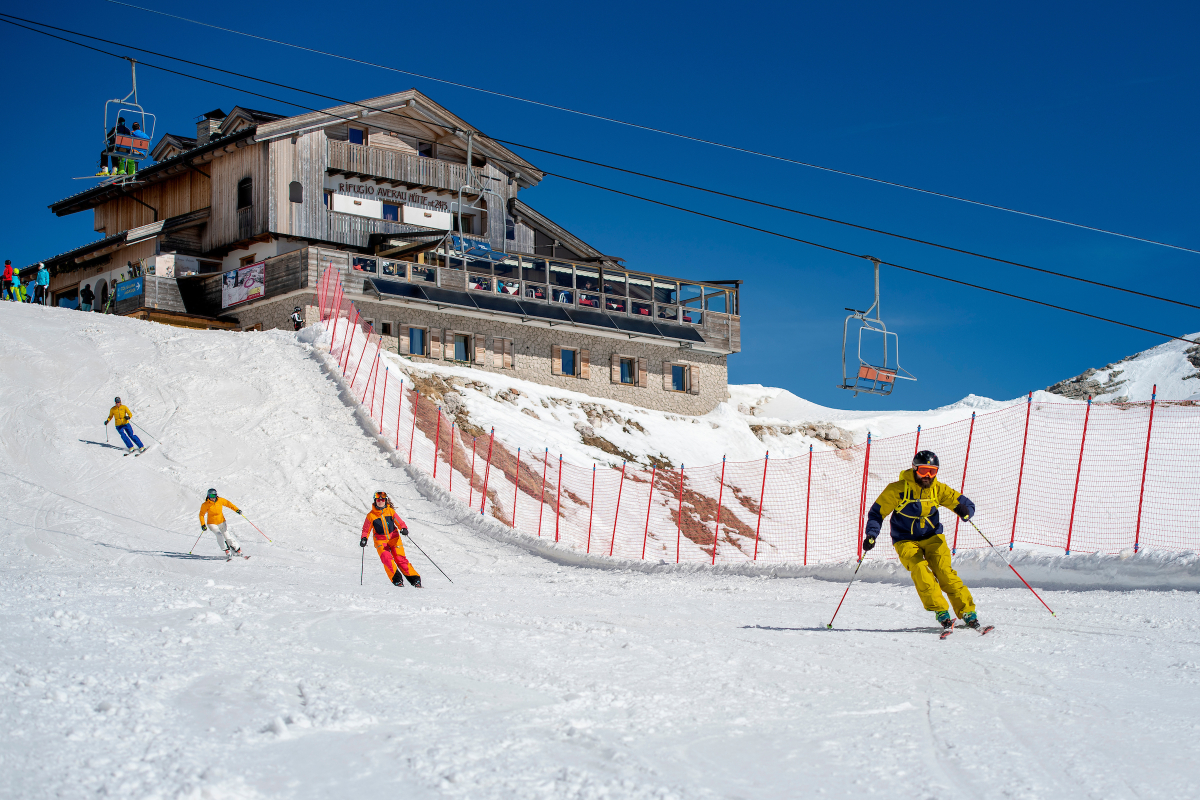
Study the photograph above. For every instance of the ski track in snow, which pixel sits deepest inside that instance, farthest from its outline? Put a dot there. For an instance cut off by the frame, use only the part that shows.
(131, 669)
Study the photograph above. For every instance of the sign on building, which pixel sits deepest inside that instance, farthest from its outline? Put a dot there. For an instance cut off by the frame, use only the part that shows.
(129, 289)
(244, 284)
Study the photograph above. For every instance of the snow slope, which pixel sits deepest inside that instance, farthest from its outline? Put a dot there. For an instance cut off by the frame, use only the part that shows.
(129, 668)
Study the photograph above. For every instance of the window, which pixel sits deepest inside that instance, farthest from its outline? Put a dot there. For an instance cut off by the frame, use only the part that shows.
(296, 192)
(392, 268)
(691, 297)
(325, 198)
(614, 283)
(639, 287)
(562, 280)
(683, 378)
(570, 361)
(587, 279)
(665, 291)
(385, 328)
(466, 223)
(462, 347)
(715, 301)
(614, 303)
(417, 342)
(510, 229)
(640, 309)
(391, 211)
(480, 283)
(421, 274)
(359, 264)
(628, 371)
(357, 136)
(508, 287)
(668, 312)
(589, 300)
(424, 149)
(246, 261)
(245, 193)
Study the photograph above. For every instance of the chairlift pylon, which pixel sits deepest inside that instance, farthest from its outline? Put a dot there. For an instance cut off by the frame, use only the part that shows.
(126, 145)
(879, 377)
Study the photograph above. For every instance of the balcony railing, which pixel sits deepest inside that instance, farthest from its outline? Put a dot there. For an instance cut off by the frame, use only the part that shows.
(356, 231)
(382, 162)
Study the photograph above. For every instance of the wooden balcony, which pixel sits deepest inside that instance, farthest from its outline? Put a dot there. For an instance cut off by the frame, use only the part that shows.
(380, 162)
(356, 231)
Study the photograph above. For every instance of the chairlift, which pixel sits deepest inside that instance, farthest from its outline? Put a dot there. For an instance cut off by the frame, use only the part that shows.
(873, 377)
(124, 146)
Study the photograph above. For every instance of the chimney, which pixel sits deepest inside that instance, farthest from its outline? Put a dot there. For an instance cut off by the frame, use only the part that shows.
(209, 125)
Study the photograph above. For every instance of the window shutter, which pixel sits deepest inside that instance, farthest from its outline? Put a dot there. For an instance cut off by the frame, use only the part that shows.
(447, 344)
(435, 343)
(694, 379)
(614, 368)
(667, 376)
(402, 346)
(585, 364)
(555, 360)
(508, 353)
(641, 376)
(480, 349)
(497, 352)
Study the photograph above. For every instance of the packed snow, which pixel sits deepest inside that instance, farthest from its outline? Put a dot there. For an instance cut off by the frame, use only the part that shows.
(136, 662)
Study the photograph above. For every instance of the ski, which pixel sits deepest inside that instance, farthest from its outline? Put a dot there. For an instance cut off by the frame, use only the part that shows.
(230, 558)
(946, 632)
(984, 631)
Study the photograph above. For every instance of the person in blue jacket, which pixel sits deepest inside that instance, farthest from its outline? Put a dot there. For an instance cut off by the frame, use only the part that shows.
(42, 280)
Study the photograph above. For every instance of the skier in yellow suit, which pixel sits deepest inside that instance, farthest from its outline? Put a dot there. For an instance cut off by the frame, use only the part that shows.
(918, 538)
(211, 516)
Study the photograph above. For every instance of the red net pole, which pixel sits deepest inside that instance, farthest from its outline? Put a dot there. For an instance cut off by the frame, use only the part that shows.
(471, 483)
(413, 433)
(620, 488)
(720, 497)
(558, 500)
(679, 516)
(437, 441)
(487, 471)
(370, 384)
(399, 406)
(1137, 534)
(336, 311)
(450, 487)
(1078, 472)
(917, 446)
(1021, 472)
(542, 495)
(807, 503)
(591, 508)
(761, 495)
(382, 400)
(358, 366)
(516, 481)
(862, 501)
(962, 486)
(649, 500)
(348, 344)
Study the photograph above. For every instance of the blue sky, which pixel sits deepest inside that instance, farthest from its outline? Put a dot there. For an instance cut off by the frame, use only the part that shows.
(1085, 112)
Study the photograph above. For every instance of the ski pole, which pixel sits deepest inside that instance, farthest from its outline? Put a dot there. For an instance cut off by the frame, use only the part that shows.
(106, 433)
(202, 532)
(848, 585)
(431, 561)
(1010, 566)
(363, 569)
(148, 433)
(252, 525)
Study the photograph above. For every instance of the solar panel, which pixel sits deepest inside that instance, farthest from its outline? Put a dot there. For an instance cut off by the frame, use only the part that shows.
(636, 325)
(683, 332)
(593, 318)
(496, 302)
(448, 297)
(396, 288)
(542, 311)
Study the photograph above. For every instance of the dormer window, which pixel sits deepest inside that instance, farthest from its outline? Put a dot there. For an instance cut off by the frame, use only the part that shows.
(358, 136)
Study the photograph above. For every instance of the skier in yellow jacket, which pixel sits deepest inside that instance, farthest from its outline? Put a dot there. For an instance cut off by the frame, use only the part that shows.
(211, 516)
(917, 536)
(121, 415)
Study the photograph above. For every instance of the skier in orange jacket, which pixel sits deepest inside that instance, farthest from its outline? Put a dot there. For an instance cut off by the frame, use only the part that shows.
(387, 527)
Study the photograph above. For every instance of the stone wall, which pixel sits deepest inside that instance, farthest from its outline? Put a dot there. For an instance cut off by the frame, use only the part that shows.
(532, 361)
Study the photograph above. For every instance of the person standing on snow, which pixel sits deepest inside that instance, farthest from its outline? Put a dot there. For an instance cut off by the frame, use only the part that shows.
(212, 516)
(297, 320)
(388, 528)
(86, 297)
(6, 286)
(42, 293)
(121, 414)
(917, 536)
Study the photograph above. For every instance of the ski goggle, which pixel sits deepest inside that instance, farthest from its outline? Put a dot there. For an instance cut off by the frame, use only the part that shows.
(212, 494)
(926, 471)
(381, 498)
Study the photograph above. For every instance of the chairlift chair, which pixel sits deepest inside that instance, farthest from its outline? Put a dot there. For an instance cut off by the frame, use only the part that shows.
(127, 149)
(879, 377)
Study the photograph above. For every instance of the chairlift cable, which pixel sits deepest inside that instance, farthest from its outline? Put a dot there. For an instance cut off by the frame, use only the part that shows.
(636, 173)
(655, 202)
(665, 132)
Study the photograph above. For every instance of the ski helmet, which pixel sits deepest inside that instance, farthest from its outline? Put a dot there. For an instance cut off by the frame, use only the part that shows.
(382, 496)
(212, 494)
(117, 400)
(297, 309)
(926, 458)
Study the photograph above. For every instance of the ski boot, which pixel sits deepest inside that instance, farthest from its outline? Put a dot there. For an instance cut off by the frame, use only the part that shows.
(971, 620)
(142, 449)
(398, 579)
(415, 580)
(945, 620)
(227, 554)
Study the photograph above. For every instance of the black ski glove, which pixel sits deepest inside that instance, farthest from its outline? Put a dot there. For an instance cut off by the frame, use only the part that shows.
(404, 531)
(868, 543)
(203, 527)
(362, 542)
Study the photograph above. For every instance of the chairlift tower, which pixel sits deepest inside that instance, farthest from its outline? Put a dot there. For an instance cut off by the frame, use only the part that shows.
(873, 377)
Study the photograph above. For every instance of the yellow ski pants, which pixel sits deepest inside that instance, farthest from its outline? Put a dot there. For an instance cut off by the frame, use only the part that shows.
(928, 561)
